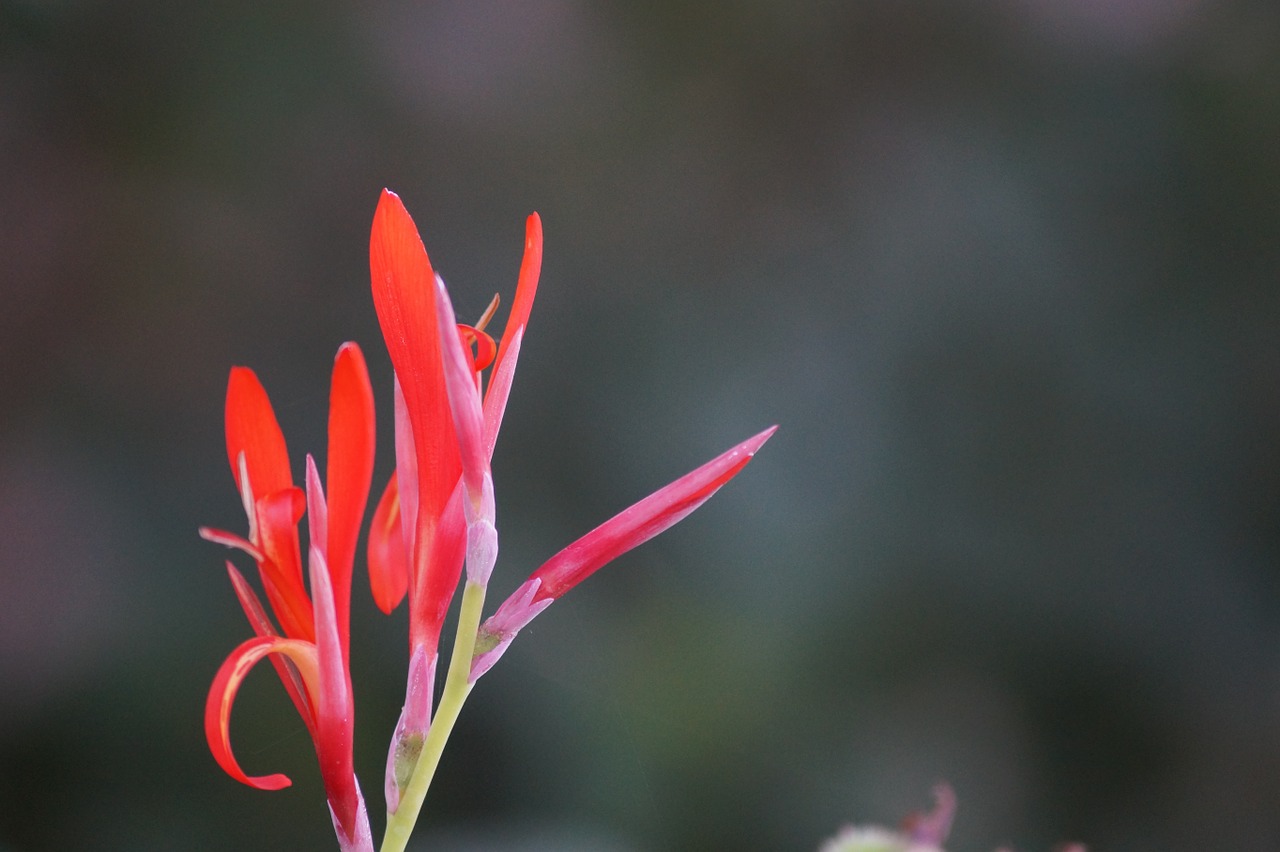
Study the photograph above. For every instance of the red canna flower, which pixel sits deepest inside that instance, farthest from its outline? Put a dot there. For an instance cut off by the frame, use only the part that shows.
(435, 511)
(438, 512)
(310, 648)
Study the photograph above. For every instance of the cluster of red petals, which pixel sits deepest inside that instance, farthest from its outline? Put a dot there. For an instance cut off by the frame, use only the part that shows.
(306, 633)
(435, 515)
(418, 538)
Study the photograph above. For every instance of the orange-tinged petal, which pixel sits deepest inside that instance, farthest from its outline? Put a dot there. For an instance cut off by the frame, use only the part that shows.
(388, 556)
(252, 429)
(222, 695)
(349, 472)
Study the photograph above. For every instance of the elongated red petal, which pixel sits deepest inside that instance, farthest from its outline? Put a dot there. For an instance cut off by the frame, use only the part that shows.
(404, 298)
(252, 429)
(641, 522)
(388, 556)
(349, 473)
(495, 401)
(222, 695)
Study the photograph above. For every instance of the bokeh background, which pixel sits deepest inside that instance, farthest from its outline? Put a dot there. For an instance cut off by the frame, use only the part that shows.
(1005, 272)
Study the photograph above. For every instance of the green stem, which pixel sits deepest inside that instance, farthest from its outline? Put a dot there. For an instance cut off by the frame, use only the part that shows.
(457, 687)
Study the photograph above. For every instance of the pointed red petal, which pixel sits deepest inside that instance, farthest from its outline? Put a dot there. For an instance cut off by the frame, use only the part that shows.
(388, 556)
(404, 298)
(222, 695)
(349, 473)
(495, 401)
(636, 525)
(252, 429)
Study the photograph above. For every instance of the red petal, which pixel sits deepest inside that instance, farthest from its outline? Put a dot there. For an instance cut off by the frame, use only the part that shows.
(252, 429)
(404, 297)
(436, 581)
(349, 473)
(222, 695)
(388, 556)
(636, 525)
(495, 401)
(278, 516)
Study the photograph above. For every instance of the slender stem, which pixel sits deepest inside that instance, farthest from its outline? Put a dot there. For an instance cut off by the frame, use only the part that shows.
(457, 687)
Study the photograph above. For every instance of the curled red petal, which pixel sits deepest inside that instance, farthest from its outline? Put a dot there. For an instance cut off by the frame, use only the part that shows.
(485, 349)
(252, 429)
(388, 556)
(222, 695)
(262, 626)
(641, 522)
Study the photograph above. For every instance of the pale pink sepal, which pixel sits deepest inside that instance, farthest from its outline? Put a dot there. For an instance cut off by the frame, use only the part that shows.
(415, 717)
(468, 425)
(362, 838)
(499, 629)
(646, 519)
(464, 396)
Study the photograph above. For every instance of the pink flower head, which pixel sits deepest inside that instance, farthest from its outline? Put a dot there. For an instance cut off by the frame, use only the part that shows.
(310, 649)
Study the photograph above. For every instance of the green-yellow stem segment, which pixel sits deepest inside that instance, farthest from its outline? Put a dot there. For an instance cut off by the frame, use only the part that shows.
(457, 686)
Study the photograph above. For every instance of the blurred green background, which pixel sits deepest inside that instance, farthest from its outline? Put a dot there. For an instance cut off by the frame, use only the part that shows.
(1005, 272)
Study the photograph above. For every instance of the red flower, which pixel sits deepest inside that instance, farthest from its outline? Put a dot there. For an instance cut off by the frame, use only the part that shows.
(419, 538)
(438, 512)
(310, 648)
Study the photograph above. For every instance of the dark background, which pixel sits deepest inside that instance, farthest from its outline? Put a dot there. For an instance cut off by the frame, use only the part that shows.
(1005, 272)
